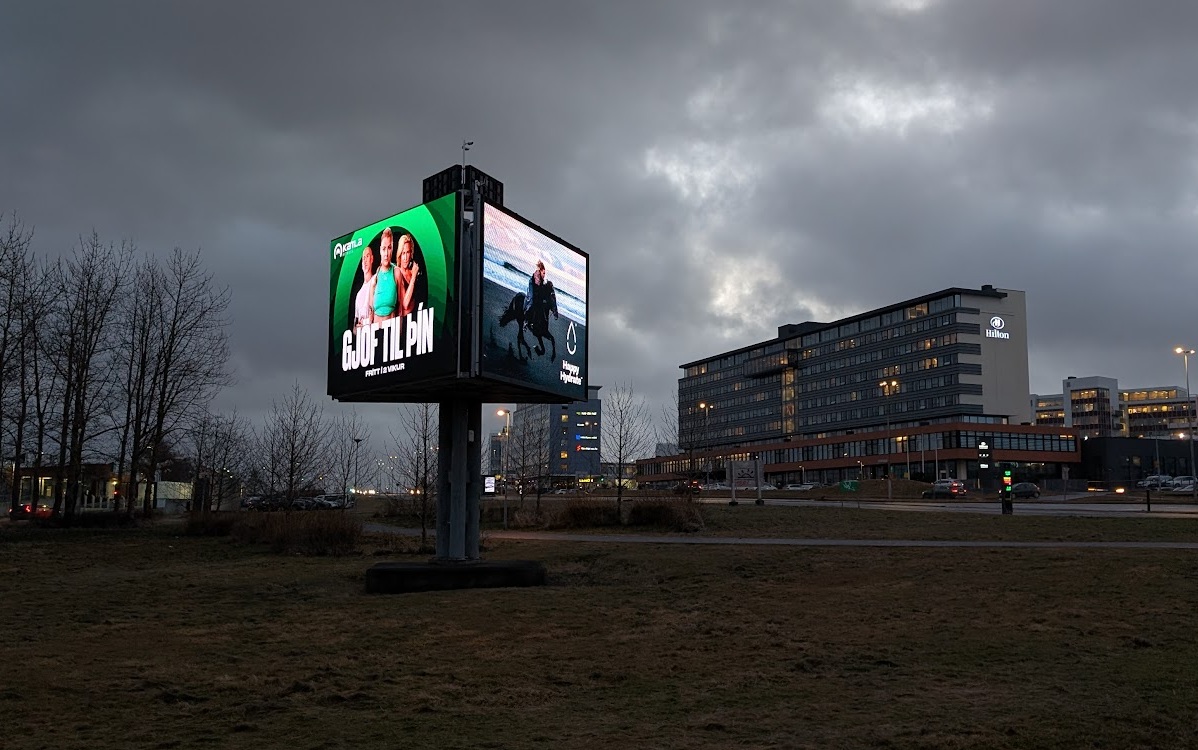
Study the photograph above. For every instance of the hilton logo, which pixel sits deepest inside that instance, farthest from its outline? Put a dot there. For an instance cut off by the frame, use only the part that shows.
(995, 331)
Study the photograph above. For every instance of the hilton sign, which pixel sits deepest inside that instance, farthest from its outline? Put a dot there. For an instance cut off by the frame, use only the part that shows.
(995, 331)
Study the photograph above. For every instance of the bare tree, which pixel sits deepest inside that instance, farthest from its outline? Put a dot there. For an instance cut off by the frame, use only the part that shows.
(627, 432)
(415, 461)
(219, 445)
(529, 442)
(26, 304)
(291, 447)
(191, 347)
(346, 457)
(666, 429)
(139, 317)
(87, 287)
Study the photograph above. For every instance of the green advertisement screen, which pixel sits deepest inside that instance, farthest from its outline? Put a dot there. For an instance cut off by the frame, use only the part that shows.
(393, 301)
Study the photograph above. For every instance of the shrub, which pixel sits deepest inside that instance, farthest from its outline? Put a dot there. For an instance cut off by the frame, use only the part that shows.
(584, 514)
(212, 524)
(666, 513)
(326, 532)
(91, 521)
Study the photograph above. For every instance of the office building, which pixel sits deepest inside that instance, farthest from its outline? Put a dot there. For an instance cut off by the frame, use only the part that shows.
(556, 445)
(930, 377)
(1097, 407)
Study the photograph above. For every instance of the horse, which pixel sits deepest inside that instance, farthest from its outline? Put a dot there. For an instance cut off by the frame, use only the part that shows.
(536, 320)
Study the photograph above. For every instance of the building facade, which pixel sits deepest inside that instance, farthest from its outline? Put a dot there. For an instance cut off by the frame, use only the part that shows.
(1096, 407)
(556, 445)
(859, 396)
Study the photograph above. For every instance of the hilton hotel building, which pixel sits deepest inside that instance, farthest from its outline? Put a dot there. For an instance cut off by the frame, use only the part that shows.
(811, 403)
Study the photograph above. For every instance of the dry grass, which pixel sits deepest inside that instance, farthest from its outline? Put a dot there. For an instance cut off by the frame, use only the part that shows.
(145, 639)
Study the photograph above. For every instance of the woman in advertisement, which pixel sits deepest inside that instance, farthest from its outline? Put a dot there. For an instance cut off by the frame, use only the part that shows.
(384, 289)
(364, 302)
(408, 271)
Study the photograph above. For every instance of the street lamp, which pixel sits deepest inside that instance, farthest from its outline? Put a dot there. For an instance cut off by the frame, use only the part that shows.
(1185, 355)
(706, 407)
(507, 447)
(888, 386)
(357, 444)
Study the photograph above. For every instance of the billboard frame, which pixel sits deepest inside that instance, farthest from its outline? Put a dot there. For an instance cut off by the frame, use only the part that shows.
(519, 389)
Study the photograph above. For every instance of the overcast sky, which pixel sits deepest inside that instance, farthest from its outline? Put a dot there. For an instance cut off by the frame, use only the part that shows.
(730, 167)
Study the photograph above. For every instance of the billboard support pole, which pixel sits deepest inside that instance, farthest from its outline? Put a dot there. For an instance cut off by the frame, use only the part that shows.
(444, 472)
(459, 480)
(474, 469)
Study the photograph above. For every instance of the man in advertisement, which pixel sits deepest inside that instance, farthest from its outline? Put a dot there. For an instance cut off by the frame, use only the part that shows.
(534, 328)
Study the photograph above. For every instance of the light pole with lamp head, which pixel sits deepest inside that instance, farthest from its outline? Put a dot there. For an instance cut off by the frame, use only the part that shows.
(357, 444)
(1185, 354)
(706, 407)
(507, 448)
(887, 387)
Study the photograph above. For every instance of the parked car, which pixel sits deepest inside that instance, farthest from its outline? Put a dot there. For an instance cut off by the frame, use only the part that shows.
(688, 488)
(945, 488)
(1155, 481)
(799, 487)
(1025, 489)
(26, 510)
(1182, 489)
(1182, 482)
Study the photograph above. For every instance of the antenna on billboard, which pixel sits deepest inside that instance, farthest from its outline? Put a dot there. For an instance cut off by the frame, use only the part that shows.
(465, 147)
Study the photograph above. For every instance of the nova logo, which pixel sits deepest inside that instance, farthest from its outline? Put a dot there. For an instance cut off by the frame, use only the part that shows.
(340, 250)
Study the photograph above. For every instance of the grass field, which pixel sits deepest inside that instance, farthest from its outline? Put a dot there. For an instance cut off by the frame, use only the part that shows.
(147, 639)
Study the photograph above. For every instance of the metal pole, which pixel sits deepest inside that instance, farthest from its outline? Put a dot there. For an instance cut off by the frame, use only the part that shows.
(1185, 353)
(507, 448)
(707, 440)
(357, 445)
(1190, 413)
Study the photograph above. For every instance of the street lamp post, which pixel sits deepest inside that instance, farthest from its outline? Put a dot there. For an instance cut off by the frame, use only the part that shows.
(706, 407)
(887, 387)
(507, 448)
(357, 444)
(1185, 355)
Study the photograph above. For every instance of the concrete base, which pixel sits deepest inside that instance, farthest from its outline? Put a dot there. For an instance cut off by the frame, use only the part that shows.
(403, 578)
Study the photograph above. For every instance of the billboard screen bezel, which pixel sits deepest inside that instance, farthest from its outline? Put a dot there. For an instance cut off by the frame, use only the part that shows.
(535, 391)
(403, 385)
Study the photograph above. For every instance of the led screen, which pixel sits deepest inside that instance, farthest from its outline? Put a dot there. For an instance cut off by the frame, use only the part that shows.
(533, 308)
(393, 310)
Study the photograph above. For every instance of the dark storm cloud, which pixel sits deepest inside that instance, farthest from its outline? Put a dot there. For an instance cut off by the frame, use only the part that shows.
(729, 168)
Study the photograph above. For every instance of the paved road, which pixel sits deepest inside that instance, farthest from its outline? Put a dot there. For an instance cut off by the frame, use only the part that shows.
(1031, 508)
(550, 536)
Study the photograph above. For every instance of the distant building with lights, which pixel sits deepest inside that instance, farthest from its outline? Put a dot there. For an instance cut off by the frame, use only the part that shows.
(1096, 407)
(556, 444)
(908, 389)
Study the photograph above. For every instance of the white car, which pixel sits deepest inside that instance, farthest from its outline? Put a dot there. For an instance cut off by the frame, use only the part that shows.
(799, 487)
(1183, 481)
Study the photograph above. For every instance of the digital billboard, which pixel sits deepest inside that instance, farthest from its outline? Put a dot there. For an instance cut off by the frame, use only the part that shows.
(393, 301)
(533, 307)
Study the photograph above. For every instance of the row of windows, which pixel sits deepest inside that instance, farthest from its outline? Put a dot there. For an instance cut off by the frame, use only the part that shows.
(886, 319)
(873, 390)
(1148, 395)
(868, 339)
(895, 445)
(878, 355)
(853, 415)
(874, 393)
